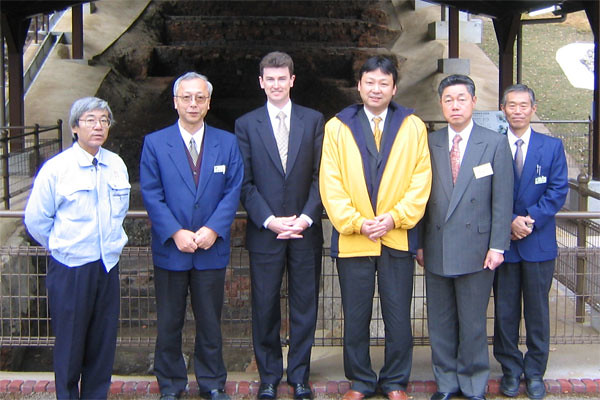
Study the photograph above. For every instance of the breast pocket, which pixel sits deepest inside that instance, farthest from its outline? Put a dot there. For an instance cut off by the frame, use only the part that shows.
(76, 200)
(119, 202)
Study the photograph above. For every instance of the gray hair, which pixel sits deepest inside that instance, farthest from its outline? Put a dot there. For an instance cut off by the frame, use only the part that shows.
(457, 80)
(87, 104)
(192, 75)
(519, 87)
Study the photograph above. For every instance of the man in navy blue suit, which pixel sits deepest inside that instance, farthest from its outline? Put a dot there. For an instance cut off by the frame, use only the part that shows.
(190, 176)
(540, 172)
(281, 146)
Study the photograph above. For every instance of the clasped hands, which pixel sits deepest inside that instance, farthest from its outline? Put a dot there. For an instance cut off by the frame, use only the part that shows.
(377, 227)
(188, 241)
(288, 227)
(521, 227)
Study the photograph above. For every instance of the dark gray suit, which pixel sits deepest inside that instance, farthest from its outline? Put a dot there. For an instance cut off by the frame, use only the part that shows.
(461, 224)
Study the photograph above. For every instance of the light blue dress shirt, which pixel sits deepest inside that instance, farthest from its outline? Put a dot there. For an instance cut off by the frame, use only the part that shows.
(76, 210)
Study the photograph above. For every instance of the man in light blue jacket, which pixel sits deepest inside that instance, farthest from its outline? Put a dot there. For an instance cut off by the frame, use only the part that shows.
(76, 211)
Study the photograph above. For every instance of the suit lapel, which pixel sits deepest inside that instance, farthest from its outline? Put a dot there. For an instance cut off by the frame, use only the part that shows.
(265, 131)
(441, 156)
(473, 153)
(295, 138)
(176, 151)
(209, 158)
(534, 153)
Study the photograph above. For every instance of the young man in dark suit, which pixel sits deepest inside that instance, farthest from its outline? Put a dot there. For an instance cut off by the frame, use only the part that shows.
(281, 147)
(540, 191)
(190, 176)
(465, 231)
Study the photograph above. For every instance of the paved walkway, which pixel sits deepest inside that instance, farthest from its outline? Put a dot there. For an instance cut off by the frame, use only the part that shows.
(573, 371)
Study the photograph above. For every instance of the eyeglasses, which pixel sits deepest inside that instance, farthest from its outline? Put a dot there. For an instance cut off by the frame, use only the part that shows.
(91, 122)
(187, 99)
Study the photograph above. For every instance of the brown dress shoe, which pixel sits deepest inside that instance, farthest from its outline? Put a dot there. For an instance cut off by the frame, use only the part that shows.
(397, 395)
(353, 395)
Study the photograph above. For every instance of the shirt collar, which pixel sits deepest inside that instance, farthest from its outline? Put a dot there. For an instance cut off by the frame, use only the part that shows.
(187, 136)
(273, 110)
(512, 138)
(464, 134)
(370, 116)
(85, 158)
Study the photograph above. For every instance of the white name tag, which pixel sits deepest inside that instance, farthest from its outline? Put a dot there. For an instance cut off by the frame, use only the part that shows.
(540, 179)
(483, 170)
(219, 169)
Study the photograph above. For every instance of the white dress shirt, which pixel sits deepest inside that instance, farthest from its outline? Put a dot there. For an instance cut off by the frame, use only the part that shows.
(370, 117)
(464, 134)
(187, 136)
(512, 140)
(273, 111)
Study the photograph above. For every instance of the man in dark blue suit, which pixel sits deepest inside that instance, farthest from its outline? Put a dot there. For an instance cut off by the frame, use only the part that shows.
(540, 171)
(190, 176)
(281, 147)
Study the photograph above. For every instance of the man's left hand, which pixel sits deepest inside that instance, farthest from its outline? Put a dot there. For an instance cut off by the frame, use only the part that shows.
(492, 260)
(205, 238)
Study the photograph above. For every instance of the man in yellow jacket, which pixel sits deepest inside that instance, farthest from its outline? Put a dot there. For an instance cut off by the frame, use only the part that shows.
(375, 180)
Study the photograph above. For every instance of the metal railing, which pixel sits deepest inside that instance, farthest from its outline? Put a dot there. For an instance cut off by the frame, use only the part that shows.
(24, 319)
(22, 152)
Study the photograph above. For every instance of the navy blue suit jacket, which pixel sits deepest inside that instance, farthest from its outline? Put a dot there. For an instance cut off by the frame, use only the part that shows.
(174, 202)
(540, 193)
(267, 190)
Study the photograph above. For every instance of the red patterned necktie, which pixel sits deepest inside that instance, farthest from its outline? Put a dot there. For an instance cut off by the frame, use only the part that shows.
(455, 157)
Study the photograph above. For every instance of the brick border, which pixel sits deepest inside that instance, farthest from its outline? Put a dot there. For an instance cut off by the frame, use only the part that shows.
(150, 386)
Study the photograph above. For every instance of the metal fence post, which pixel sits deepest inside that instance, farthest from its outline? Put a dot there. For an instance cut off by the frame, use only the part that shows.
(5, 172)
(59, 125)
(582, 181)
(36, 147)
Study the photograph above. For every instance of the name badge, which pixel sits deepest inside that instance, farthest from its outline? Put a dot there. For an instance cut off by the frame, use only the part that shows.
(219, 169)
(540, 179)
(483, 170)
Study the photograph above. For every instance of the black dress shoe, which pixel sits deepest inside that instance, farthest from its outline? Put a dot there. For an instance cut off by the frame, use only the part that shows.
(215, 394)
(267, 391)
(169, 396)
(302, 391)
(509, 385)
(536, 389)
(444, 395)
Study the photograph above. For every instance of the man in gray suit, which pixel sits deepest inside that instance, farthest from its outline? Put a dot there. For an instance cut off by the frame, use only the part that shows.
(465, 231)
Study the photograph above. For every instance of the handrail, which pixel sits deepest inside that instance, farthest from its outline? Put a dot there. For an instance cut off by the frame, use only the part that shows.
(244, 214)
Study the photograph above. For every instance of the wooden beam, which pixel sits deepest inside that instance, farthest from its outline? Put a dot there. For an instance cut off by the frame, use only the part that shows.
(77, 27)
(453, 32)
(15, 33)
(506, 29)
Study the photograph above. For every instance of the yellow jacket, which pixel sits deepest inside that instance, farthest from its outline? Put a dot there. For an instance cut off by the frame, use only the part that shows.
(347, 192)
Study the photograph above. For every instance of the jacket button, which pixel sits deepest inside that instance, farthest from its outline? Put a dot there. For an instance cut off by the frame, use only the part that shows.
(438, 227)
(468, 225)
(472, 200)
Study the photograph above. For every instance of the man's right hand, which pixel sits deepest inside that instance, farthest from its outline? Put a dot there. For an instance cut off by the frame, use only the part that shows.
(185, 241)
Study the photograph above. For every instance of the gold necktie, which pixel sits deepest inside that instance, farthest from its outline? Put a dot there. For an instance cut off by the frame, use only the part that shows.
(282, 138)
(377, 132)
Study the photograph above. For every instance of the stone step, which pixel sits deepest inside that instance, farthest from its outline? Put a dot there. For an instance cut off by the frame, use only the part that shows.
(234, 65)
(358, 9)
(279, 29)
